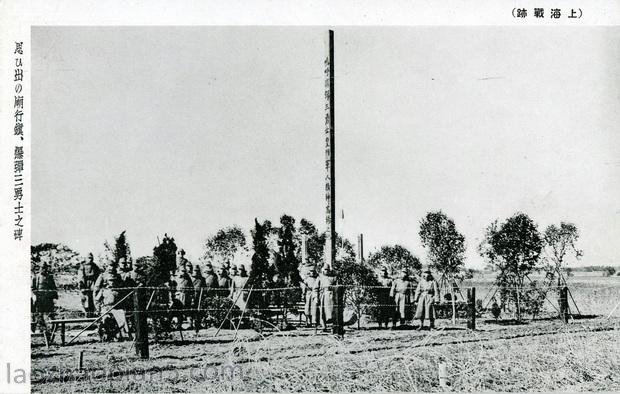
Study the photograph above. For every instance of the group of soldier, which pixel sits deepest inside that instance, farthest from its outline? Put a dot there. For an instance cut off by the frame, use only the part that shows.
(395, 303)
(106, 292)
(395, 297)
(44, 295)
(187, 288)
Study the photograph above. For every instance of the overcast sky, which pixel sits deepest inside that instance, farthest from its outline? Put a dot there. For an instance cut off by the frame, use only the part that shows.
(188, 130)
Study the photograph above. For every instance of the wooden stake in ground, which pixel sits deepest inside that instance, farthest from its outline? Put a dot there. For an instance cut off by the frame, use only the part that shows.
(443, 375)
(197, 319)
(81, 360)
(471, 308)
(142, 331)
(452, 285)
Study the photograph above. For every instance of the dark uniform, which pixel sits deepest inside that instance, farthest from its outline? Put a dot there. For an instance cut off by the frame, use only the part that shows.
(183, 262)
(44, 293)
(224, 283)
(128, 283)
(200, 286)
(387, 307)
(211, 281)
(87, 275)
(185, 288)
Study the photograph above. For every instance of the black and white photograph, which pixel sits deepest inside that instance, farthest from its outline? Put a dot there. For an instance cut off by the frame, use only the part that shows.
(323, 208)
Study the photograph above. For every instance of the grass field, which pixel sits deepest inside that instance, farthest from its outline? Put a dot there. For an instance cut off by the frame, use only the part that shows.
(541, 355)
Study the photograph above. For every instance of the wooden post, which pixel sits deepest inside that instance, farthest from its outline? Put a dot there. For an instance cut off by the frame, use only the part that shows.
(451, 283)
(471, 308)
(453, 307)
(81, 360)
(338, 323)
(564, 304)
(518, 303)
(443, 375)
(62, 333)
(142, 334)
(330, 180)
(304, 251)
(360, 249)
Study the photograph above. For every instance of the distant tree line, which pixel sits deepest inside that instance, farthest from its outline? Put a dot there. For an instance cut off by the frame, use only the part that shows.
(514, 248)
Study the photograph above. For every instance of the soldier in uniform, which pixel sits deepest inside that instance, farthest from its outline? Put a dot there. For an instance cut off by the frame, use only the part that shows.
(107, 287)
(200, 292)
(426, 295)
(107, 290)
(132, 277)
(185, 263)
(44, 293)
(311, 292)
(224, 283)
(495, 309)
(184, 290)
(401, 292)
(238, 292)
(234, 272)
(211, 280)
(128, 282)
(88, 272)
(327, 281)
(387, 308)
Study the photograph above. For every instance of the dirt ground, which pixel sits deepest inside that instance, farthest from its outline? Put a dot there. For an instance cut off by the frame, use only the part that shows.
(539, 355)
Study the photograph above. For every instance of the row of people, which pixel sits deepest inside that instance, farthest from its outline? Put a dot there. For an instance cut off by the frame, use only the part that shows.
(403, 293)
(105, 289)
(395, 297)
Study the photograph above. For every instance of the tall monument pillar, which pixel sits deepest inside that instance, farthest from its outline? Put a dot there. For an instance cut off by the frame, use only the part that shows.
(330, 165)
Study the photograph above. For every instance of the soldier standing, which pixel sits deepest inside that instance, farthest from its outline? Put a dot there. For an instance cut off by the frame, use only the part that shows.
(401, 291)
(107, 290)
(184, 291)
(107, 287)
(44, 293)
(88, 272)
(211, 280)
(327, 291)
(130, 275)
(311, 297)
(200, 286)
(127, 282)
(387, 307)
(426, 295)
(185, 263)
(224, 283)
(234, 272)
(239, 295)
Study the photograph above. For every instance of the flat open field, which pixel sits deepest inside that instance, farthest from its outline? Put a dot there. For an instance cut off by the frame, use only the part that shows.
(539, 355)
